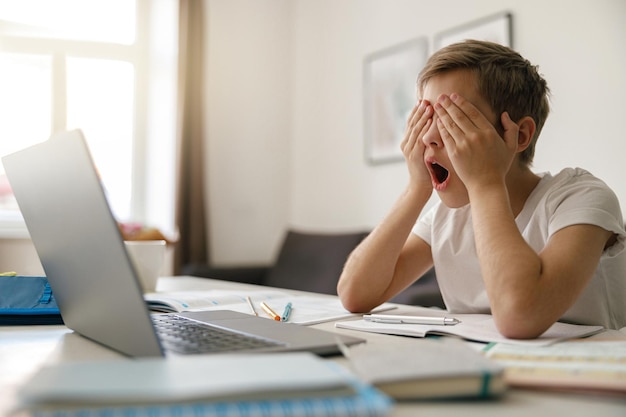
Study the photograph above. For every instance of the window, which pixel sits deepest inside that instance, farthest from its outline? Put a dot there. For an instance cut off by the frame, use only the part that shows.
(107, 67)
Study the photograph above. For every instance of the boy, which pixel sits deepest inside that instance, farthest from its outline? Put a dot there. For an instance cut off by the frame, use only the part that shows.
(528, 248)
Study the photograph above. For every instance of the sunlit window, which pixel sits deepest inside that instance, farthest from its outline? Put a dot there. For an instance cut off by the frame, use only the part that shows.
(25, 108)
(100, 98)
(89, 65)
(83, 20)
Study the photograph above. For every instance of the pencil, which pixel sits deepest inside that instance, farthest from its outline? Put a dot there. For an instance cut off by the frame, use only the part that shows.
(251, 306)
(270, 312)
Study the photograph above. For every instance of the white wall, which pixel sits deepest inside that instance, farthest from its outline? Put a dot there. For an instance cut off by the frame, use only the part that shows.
(19, 255)
(285, 124)
(248, 119)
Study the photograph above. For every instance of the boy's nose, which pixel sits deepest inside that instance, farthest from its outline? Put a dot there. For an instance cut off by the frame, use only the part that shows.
(432, 137)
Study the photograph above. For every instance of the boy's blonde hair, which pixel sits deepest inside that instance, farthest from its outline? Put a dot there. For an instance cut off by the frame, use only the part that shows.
(506, 80)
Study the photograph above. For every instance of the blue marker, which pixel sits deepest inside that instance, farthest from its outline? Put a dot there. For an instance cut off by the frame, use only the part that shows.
(286, 313)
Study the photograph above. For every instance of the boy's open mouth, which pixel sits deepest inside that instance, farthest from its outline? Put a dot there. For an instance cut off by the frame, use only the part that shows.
(439, 174)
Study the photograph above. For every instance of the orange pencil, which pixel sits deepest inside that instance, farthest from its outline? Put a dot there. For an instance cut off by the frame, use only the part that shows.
(269, 311)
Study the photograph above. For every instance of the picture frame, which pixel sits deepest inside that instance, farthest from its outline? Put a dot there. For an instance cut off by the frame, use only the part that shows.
(496, 28)
(389, 77)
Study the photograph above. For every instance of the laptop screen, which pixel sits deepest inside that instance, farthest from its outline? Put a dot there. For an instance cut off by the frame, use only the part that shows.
(79, 244)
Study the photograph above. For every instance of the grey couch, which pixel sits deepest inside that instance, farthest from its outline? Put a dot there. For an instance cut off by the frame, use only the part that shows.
(313, 262)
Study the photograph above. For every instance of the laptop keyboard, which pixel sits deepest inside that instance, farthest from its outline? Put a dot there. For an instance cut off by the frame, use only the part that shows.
(182, 335)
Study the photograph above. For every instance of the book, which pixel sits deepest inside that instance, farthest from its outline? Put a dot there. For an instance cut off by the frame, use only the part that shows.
(216, 385)
(430, 369)
(475, 327)
(306, 310)
(597, 366)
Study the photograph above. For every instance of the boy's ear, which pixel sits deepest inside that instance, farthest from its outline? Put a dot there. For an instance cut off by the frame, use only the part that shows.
(526, 132)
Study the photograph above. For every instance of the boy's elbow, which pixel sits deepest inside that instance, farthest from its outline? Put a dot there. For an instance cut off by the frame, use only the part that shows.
(352, 308)
(522, 315)
(517, 325)
(351, 303)
(517, 331)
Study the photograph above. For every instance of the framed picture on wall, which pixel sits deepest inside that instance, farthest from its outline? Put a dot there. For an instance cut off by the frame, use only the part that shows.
(497, 28)
(390, 77)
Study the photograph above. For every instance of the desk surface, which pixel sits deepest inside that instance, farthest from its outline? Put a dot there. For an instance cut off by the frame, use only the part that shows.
(24, 349)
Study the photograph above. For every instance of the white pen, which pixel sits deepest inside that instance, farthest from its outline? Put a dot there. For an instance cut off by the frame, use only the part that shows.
(384, 318)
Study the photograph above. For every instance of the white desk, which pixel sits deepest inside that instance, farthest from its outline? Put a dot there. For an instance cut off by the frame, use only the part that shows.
(24, 349)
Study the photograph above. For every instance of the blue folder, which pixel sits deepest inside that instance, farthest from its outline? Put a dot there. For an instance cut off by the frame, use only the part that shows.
(27, 300)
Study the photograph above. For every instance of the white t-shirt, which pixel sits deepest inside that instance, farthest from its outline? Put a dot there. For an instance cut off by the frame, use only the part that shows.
(573, 196)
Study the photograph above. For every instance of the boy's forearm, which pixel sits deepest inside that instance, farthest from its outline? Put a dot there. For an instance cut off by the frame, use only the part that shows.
(369, 270)
(511, 269)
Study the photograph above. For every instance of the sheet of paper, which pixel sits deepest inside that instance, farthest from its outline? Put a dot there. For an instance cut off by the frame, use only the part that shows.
(306, 310)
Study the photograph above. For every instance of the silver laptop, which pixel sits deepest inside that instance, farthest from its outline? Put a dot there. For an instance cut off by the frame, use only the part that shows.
(84, 257)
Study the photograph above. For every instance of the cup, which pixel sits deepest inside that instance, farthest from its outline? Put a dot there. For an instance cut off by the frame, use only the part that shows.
(147, 257)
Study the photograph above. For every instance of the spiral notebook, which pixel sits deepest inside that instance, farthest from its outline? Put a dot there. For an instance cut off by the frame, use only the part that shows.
(282, 384)
(365, 402)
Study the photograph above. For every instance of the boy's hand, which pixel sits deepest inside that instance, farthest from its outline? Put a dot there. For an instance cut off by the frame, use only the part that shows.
(420, 120)
(475, 148)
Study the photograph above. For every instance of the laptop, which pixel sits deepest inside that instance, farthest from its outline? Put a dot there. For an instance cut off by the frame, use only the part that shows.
(84, 257)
